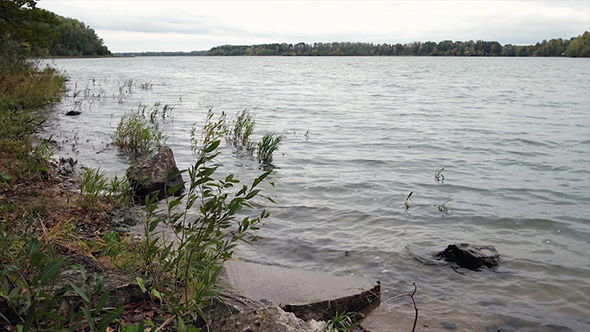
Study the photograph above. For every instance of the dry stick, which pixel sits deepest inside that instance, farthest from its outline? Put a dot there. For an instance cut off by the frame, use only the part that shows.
(165, 323)
(411, 295)
(415, 307)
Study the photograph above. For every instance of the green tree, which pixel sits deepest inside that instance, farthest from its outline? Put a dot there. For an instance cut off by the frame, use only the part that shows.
(23, 22)
(74, 38)
(579, 47)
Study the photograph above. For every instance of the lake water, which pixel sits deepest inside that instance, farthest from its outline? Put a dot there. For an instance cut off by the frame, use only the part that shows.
(512, 134)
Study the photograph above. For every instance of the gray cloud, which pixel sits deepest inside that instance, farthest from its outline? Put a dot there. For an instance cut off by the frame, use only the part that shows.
(199, 25)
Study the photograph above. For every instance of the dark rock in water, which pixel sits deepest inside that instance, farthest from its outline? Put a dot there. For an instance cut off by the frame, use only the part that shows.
(73, 113)
(155, 173)
(470, 256)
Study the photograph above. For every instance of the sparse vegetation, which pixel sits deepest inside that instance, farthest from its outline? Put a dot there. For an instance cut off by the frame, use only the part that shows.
(341, 322)
(136, 135)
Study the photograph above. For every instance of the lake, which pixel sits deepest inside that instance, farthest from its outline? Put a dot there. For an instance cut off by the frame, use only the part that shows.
(362, 133)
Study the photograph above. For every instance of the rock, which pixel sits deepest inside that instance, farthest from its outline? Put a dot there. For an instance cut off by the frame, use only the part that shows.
(307, 294)
(157, 172)
(470, 256)
(325, 310)
(73, 113)
(270, 319)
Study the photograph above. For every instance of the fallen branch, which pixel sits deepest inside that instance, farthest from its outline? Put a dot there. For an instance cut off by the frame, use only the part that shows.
(411, 295)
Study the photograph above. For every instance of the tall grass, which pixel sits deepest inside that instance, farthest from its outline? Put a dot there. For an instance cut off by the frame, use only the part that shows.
(24, 87)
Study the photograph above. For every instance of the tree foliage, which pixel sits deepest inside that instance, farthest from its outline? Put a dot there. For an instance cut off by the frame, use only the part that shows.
(74, 38)
(23, 22)
(41, 32)
(579, 47)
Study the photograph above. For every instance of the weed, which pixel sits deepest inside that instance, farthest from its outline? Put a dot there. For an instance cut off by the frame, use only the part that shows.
(444, 208)
(341, 322)
(92, 184)
(240, 130)
(27, 286)
(408, 199)
(94, 304)
(146, 85)
(438, 176)
(267, 146)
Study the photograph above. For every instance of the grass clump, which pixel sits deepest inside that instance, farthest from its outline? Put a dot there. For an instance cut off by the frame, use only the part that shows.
(341, 322)
(267, 146)
(136, 135)
(240, 130)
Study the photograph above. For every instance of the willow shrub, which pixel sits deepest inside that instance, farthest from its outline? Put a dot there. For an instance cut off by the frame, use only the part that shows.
(184, 273)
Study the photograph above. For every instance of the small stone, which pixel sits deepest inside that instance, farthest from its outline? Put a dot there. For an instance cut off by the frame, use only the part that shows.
(73, 113)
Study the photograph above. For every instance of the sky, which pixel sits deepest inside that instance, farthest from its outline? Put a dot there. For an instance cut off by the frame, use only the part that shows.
(193, 25)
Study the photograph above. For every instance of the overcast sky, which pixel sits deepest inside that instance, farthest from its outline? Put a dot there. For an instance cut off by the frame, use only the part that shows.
(189, 25)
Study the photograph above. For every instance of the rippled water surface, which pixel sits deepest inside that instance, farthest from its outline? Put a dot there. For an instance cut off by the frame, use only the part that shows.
(512, 134)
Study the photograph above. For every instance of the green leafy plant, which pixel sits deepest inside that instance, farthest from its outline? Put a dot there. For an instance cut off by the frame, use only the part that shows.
(93, 312)
(27, 286)
(341, 322)
(267, 146)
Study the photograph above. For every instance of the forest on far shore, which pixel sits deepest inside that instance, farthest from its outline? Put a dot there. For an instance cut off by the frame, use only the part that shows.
(573, 47)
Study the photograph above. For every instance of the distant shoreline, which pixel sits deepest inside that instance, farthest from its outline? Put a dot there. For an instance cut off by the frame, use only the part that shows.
(83, 56)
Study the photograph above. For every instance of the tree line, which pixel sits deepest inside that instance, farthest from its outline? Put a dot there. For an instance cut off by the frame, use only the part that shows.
(41, 33)
(574, 47)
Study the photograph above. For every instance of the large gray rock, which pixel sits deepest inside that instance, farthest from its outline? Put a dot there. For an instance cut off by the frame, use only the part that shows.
(307, 294)
(471, 256)
(155, 173)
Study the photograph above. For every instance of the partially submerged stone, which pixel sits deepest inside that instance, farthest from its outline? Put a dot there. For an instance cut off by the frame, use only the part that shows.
(308, 294)
(155, 173)
(471, 256)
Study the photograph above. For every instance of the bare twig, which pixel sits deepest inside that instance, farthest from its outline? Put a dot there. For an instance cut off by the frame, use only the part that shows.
(165, 323)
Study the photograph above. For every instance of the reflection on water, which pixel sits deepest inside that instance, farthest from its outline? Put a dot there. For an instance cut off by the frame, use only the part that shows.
(362, 133)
